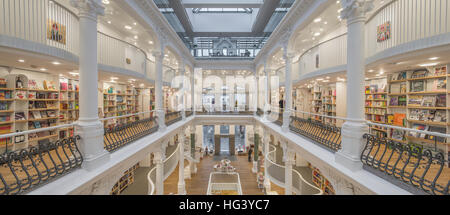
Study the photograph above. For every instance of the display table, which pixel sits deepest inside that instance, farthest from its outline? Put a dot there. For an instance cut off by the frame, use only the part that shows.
(224, 166)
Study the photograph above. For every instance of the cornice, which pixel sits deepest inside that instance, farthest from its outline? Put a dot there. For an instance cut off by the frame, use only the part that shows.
(225, 64)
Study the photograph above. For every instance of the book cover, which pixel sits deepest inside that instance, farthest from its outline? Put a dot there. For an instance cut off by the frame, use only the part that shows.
(441, 100)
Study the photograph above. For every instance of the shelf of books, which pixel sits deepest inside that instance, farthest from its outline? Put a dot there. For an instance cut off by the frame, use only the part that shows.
(126, 180)
(329, 103)
(29, 102)
(321, 182)
(68, 105)
(376, 105)
(316, 102)
(418, 99)
(132, 98)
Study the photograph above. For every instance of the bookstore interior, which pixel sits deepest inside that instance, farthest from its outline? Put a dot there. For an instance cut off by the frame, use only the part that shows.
(362, 104)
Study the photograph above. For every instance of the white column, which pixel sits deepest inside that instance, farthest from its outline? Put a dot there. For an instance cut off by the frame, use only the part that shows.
(299, 161)
(192, 165)
(288, 90)
(159, 160)
(267, 183)
(289, 161)
(181, 184)
(256, 94)
(182, 70)
(89, 127)
(160, 112)
(193, 91)
(353, 131)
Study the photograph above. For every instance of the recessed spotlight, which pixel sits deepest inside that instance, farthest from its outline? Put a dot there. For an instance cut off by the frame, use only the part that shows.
(43, 69)
(21, 60)
(114, 78)
(433, 58)
(317, 34)
(128, 27)
(371, 70)
(105, 1)
(135, 23)
(150, 42)
(74, 73)
(428, 64)
(136, 37)
(109, 22)
(56, 63)
(318, 20)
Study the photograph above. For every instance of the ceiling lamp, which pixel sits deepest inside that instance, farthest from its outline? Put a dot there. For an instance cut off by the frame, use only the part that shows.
(318, 20)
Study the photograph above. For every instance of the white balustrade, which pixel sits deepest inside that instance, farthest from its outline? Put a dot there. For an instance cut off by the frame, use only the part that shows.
(35, 20)
(410, 20)
(328, 54)
(276, 173)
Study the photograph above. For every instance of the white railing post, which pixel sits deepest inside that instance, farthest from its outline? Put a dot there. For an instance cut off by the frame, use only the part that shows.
(288, 161)
(181, 184)
(159, 161)
(353, 131)
(267, 183)
(160, 112)
(89, 126)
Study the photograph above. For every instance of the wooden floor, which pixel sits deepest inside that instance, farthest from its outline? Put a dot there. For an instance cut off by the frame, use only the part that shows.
(198, 184)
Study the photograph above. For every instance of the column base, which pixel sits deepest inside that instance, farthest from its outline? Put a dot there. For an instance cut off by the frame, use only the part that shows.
(91, 144)
(255, 167)
(286, 121)
(267, 184)
(181, 189)
(349, 162)
(93, 163)
(352, 145)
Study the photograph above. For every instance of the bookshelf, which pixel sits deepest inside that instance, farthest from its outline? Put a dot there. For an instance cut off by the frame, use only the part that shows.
(321, 182)
(329, 103)
(419, 99)
(316, 101)
(376, 105)
(126, 180)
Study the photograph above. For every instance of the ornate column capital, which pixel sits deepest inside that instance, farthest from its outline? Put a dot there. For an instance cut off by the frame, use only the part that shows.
(355, 9)
(88, 8)
(159, 55)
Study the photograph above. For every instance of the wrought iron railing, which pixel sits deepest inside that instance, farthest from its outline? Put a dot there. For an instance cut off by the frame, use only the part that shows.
(123, 134)
(224, 113)
(24, 170)
(173, 117)
(189, 113)
(423, 170)
(327, 135)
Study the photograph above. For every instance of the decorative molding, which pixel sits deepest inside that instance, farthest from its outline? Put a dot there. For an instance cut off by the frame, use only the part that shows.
(88, 8)
(355, 9)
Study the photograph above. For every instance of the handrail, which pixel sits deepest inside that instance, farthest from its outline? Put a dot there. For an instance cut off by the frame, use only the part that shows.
(3, 136)
(293, 170)
(150, 181)
(151, 185)
(124, 116)
(377, 124)
(319, 44)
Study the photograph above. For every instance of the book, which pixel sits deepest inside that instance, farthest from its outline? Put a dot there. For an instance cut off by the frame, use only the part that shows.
(418, 127)
(64, 86)
(419, 73)
(19, 116)
(429, 101)
(20, 94)
(32, 84)
(398, 134)
(36, 114)
(394, 101)
(399, 119)
(415, 100)
(441, 100)
(417, 86)
(442, 130)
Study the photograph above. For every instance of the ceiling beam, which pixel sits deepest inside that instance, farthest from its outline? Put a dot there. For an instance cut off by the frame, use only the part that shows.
(180, 12)
(264, 15)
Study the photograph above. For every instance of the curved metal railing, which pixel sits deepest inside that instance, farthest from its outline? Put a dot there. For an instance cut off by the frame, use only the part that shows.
(170, 163)
(276, 173)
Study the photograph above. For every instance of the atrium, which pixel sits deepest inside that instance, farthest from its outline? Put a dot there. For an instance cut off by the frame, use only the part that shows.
(224, 97)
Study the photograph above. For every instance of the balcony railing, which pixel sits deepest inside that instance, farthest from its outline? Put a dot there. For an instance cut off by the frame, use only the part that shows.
(323, 134)
(169, 165)
(276, 171)
(23, 170)
(173, 117)
(411, 167)
(122, 134)
(224, 113)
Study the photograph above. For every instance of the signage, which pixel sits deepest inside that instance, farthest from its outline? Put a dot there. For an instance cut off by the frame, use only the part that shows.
(384, 32)
(56, 32)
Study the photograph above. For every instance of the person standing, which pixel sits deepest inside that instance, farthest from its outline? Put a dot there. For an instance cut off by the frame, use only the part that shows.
(250, 152)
